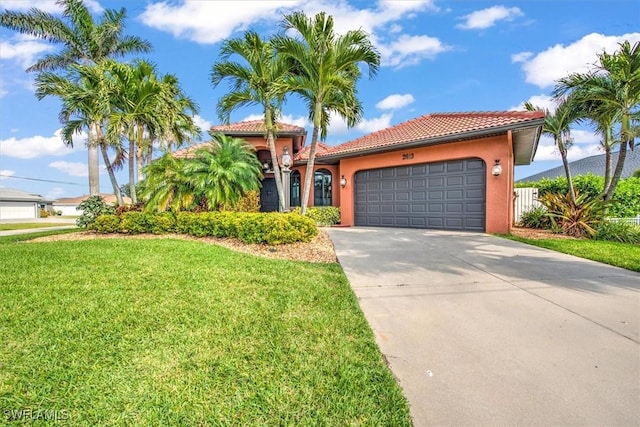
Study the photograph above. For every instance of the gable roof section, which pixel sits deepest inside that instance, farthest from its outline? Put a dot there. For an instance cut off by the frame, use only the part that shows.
(303, 155)
(10, 194)
(440, 128)
(593, 165)
(108, 198)
(257, 128)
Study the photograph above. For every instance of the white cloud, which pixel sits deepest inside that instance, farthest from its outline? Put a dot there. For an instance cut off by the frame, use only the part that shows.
(210, 22)
(338, 126)
(6, 174)
(410, 50)
(486, 18)
(395, 101)
(39, 146)
(202, 123)
(521, 57)
(70, 168)
(544, 68)
(585, 144)
(23, 51)
(49, 6)
(55, 193)
(543, 101)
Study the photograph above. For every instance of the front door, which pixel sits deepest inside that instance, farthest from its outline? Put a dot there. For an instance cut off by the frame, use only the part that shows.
(268, 195)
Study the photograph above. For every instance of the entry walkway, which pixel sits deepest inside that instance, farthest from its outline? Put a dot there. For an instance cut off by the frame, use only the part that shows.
(482, 330)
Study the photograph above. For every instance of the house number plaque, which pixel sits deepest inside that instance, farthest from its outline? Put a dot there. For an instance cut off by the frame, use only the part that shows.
(407, 156)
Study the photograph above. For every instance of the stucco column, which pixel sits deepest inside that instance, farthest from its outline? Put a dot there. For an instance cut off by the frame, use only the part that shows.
(286, 187)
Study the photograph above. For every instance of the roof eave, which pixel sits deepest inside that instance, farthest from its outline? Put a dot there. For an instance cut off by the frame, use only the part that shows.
(475, 134)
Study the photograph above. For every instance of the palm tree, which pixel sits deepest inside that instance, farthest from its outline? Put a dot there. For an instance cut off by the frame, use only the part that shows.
(84, 41)
(258, 80)
(86, 103)
(614, 83)
(145, 107)
(324, 75)
(225, 172)
(167, 185)
(556, 125)
(604, 121)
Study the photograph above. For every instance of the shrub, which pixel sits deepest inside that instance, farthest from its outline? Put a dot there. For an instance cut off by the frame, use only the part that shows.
(250, 202)
(43, 213)
(574, 219)
(270, 228)
(91, 209)
(324, 216)
(536, 217)
(626, 196)
(135, 222)
(618, 231)
(163, 222)
(109, 223)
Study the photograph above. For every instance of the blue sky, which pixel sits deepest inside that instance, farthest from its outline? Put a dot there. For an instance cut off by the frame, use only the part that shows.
(437, 56)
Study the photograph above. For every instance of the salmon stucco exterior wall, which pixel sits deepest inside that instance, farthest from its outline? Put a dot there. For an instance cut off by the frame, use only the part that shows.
(499, 189)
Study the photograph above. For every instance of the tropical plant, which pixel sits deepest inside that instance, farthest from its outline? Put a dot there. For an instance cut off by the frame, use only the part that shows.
(536, 217)
(325, 69)
(556, 125)
(85, 93)
(146, 107)
(84, 41)
(618, 231)
(167, 185)
(92, 208)
(577, 217)
(614, 86)
(258, 80)
(224, 171)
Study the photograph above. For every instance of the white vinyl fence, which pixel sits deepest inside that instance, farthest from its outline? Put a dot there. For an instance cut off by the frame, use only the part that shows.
(526, 199)
(635, 220)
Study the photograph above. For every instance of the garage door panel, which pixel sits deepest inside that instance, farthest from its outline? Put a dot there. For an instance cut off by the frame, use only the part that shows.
(442, 195)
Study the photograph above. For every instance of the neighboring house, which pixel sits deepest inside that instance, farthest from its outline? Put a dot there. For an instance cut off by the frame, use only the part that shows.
(16, 204)
(68, 206)
(436, 171)
(591, 165)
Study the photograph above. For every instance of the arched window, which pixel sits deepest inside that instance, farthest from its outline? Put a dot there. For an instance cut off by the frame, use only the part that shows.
(295, 188)
(322, 188)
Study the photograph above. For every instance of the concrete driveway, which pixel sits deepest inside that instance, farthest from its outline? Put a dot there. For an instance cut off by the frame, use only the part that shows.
(480, 330)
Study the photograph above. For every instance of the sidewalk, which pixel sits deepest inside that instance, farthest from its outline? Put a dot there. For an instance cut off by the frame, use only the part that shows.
(64, 224)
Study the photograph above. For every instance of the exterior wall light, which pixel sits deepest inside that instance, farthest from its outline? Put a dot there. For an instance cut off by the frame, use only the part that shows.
(343, 181)
(286, 158)
(497, 169)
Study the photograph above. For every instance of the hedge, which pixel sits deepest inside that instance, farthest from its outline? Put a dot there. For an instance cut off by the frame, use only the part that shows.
(270, 228)
(626, 196)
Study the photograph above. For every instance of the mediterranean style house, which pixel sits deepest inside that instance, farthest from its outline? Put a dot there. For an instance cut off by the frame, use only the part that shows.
(449, 171)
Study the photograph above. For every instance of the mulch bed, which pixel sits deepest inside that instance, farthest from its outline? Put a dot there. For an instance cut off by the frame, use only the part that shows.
(320, 249)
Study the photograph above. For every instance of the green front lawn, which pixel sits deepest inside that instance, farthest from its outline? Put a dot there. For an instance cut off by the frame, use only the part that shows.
(28, 225)
(174, 332)
(625, 255)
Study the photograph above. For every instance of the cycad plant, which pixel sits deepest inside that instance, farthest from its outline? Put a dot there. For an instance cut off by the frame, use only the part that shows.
(577, 217)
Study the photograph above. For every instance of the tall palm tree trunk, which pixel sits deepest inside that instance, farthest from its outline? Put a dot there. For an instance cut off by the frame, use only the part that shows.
(617, 173)
(308, 175)
(93, 160)
(567, 169)
(274, 159)
(132, 168)
(109, 166)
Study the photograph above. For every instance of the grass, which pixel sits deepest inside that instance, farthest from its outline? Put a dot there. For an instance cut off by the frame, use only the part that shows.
(29, 225)
(625, 255)
(173, 332)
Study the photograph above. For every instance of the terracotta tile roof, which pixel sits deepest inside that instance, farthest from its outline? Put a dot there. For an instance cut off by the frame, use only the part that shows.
(256, 127)
(304, 153)
(188, 151)
(438, 127)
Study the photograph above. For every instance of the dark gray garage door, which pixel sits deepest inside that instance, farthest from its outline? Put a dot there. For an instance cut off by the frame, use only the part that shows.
(443, 195)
